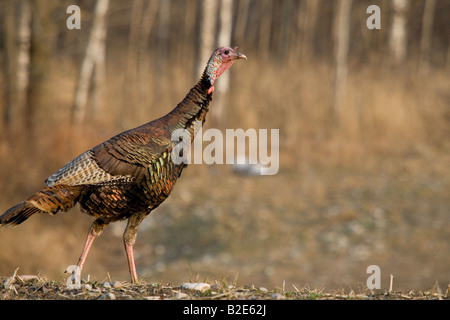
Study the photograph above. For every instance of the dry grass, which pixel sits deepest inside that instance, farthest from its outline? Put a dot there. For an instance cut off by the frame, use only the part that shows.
(38, 288)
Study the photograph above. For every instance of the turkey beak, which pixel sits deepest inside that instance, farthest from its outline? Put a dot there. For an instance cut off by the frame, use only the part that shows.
(239, 55)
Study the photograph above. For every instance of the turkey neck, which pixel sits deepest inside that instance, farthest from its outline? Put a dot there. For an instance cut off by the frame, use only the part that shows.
(194, 106)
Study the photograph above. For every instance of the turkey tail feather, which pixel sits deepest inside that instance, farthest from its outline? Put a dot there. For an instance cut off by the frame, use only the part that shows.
(50, 200)
(18, 214)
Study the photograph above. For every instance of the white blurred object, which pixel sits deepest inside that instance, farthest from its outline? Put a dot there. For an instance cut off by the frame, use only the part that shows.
(243, 166)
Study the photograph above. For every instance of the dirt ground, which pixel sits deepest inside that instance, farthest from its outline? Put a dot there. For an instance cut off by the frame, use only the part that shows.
(316, 229)
(36, 288)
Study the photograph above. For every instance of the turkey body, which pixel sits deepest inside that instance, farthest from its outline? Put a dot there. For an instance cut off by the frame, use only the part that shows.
(129, 175)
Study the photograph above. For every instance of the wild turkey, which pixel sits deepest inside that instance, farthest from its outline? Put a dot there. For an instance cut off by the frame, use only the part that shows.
(129, 175)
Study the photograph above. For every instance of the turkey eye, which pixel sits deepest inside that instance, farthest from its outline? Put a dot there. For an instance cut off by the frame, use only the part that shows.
(227, 52)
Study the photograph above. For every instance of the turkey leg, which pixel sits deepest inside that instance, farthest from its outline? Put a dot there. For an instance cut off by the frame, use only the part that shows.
(94, 231)
(129, 238)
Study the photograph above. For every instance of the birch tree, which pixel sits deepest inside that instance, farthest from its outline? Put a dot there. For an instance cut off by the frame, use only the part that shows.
(224, 39)
(23, 53)
(342, 36)
(207, 32)
(94, 57)
(398, 35)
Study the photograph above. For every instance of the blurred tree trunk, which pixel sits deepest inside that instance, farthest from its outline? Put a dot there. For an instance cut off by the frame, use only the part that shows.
(224, 39)
(162, 48)
(9, 63)
(226, 23)
(285, 29)
(133, 39)
(163, 34)
(427, 32)
(398, 38)
(241, 19)
(342, 37)
(23, 54)
(265, 29)
(131, 82)
(207, 33)
(100, 68)
(42, 40)
(188, 30)
(306, 23)
(94, 57)
(447, 60)
(148, 18)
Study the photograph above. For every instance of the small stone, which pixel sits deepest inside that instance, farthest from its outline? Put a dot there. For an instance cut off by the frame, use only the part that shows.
(262, 289)
(180, 295)
(87, 286)
(107, 296)
(277, 296)
(202, 287)
(215, 287)
(117, 284)
(106, 285)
